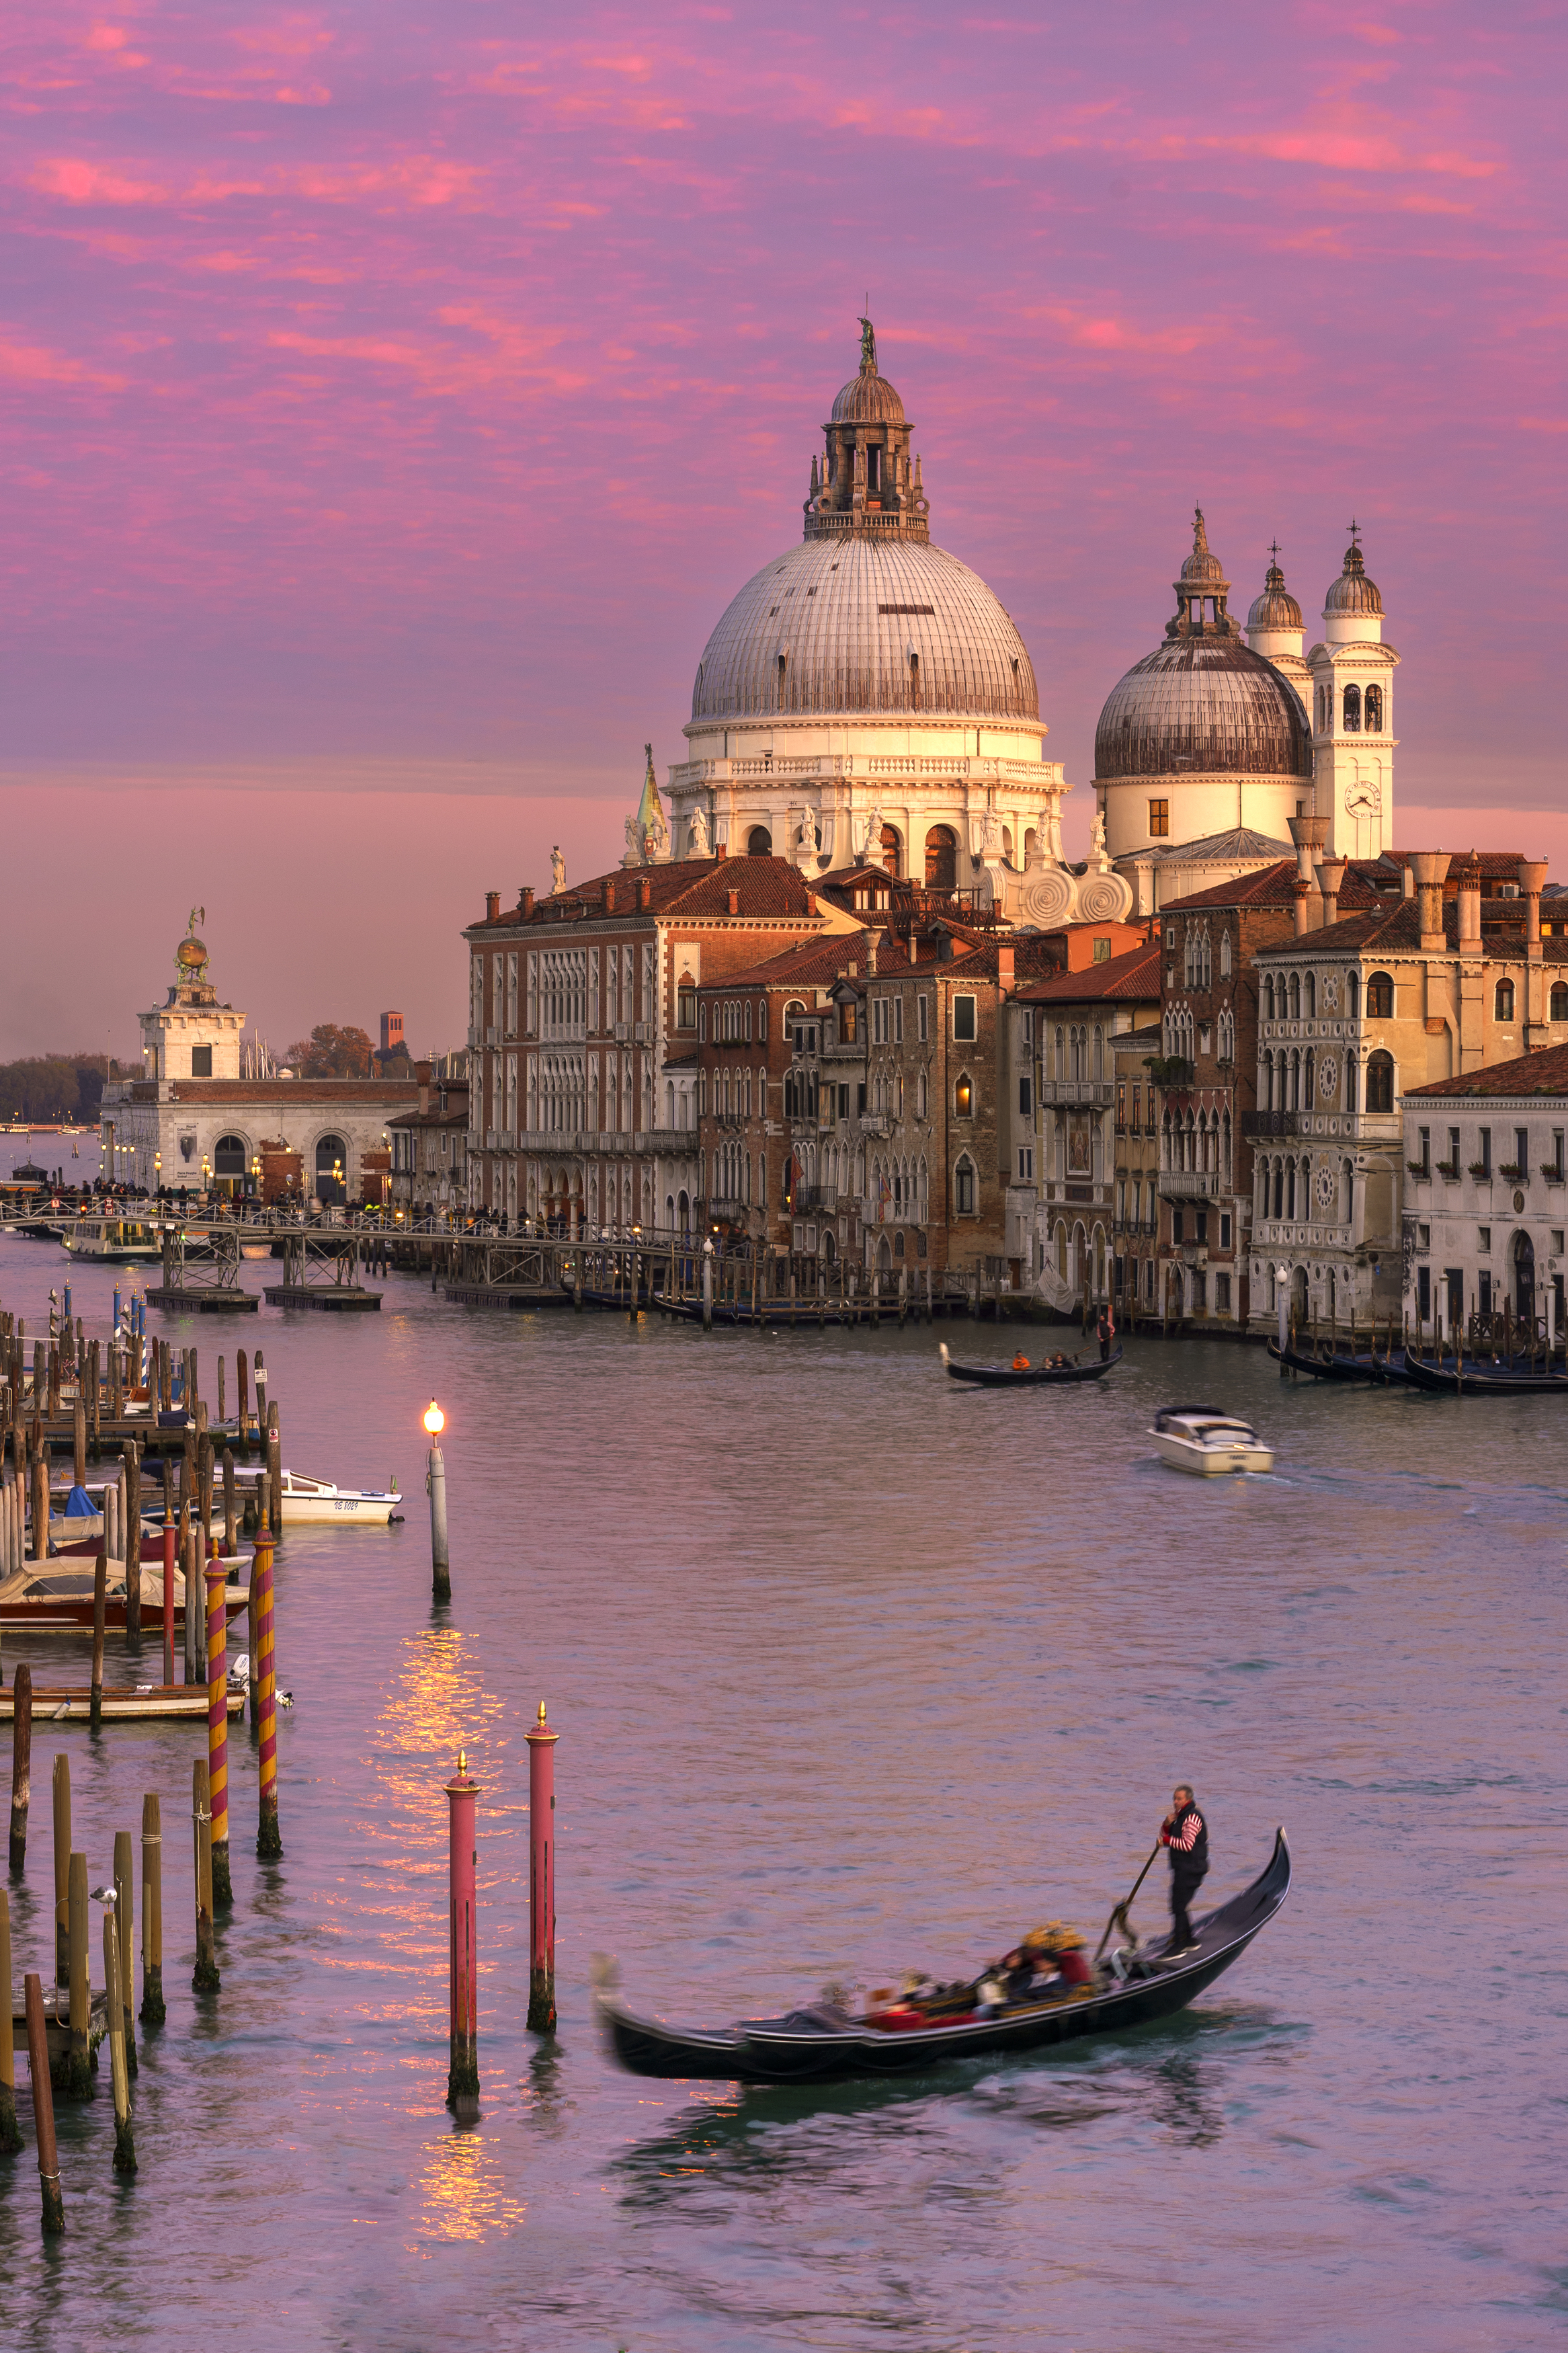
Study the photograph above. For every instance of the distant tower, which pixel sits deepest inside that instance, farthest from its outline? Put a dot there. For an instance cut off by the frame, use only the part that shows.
(1274, 629)
(1352, 715)
(391, 1032)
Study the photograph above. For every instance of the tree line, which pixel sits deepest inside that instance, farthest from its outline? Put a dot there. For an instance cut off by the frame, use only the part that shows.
(330, 1052)
(49, 1087)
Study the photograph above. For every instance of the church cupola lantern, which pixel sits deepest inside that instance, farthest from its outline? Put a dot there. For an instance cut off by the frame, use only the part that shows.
(869, 480)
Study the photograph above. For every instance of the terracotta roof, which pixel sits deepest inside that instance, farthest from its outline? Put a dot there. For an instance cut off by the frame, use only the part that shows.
(1275, 886)
(1502, 863)
(809, 964)
(1136, 974)
(275, 1094)
(1395, 930)
(689, 886)
(1545, 1073)
(1153, 1036)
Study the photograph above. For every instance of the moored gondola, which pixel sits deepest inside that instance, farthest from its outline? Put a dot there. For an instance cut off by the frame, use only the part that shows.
(1382, 1369)
(823, 2041)
(1467, 1376)
(1014, 1376)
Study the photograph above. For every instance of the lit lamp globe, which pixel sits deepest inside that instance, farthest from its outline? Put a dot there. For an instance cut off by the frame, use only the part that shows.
(434, 1419)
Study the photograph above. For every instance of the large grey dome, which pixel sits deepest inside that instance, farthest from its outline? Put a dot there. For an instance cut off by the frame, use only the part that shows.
(1202, 706)
(859, 624)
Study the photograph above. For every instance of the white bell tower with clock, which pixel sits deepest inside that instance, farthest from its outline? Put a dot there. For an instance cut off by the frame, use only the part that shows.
(1352, 715)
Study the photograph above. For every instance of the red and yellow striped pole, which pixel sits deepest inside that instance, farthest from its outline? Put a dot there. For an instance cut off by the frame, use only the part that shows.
(541, 1877)
(463, 2073)
(268, 1840)
(217, 1729)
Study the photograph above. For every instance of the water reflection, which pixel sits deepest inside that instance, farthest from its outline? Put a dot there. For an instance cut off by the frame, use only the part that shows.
(465, 2191)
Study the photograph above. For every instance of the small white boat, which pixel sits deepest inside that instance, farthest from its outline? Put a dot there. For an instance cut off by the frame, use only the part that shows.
(315, 1502)
(1203, 1440)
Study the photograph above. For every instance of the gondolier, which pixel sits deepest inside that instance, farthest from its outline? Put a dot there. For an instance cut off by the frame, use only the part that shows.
(1186, 1833)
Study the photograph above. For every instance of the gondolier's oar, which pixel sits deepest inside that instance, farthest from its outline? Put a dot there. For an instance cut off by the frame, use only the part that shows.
(1119, 1916)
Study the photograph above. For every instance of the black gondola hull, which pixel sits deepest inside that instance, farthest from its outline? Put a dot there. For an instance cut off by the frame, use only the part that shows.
(1386, 1370)
(1482, 1380)
(1003, 1377)
(800, 2050)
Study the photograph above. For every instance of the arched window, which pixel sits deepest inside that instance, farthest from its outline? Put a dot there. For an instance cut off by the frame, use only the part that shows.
(1353, 1082)
(1374, 711)
(1295, 1101)
(963, 1188)
(1099, 1051)
(1558, 1010)
(1504, 1000)
(1268, 996)
(332, 1169)
(1308, 1076)
(759, 842)
(892, 849)
(1290, 1190)
(1352, 711)
(1279, 1189)
(1265, 1083)
(1225, 1148)
(963, 1096)
(1379, 1000)
(1295, 997)
(942, 858)
(1224, 956)
(228, 1156)
(1311, 1007)
(1353, 994)
(1379, 1083)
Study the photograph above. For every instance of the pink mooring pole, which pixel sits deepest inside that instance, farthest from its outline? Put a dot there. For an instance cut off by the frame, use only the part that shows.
(541, 1877)
(463, 2074)
(169, 1606)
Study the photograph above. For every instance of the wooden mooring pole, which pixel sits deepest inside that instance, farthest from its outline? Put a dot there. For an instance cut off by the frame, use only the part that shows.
(21, 1762)
(124, 2140)
(124, 1907)
(10, 2138)
(61, 1791)
(264, 1674)
(77, 2074)
(205, 1977)
(54, 2217)
(152, 2010)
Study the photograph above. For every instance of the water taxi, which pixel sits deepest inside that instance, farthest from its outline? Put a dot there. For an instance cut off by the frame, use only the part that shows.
(115, 1241)
(1203, 1440)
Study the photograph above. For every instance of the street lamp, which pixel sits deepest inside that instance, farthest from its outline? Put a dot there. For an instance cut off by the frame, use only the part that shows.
(435, 1482)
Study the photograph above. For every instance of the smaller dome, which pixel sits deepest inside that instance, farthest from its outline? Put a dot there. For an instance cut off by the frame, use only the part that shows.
(1201, 565)
(1353, 592)
(1275, 609)
(867, 399)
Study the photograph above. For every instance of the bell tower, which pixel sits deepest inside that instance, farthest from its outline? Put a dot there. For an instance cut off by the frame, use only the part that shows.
(1354, 741)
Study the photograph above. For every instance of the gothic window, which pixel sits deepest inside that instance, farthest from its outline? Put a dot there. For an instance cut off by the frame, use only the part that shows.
(963, 1188)
(1374, 711)
(1558, 1006)
(1312, 992)
(1268, 996)
(963, 1096)
(1504, 1000)
(1379, 1083)
(1224, 956)
(1265, 1083)
(1379, 1000)
(1279, 1189)
(1308, 1078)
(1290, 1190)
(1352, 994)
(1295, 997)
(1352, 711)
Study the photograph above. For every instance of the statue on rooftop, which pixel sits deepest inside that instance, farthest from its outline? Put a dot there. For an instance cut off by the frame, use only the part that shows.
(867, 348)
(557, 869)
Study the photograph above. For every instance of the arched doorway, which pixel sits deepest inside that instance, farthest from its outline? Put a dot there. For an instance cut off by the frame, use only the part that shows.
(829, 1248)
(683, 1214)
(1524, 1278)
(942, 858)
(759, 842)
(1299, 1297)
(884, 1257)
(229, 1163)
(892, 849)
(332, 1170)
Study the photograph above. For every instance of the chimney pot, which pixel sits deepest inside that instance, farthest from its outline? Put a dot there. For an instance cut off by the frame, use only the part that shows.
(1330, 878)
(525, 901)
(734, 903)
(645, 896)
(493, 906)
(1303, 904)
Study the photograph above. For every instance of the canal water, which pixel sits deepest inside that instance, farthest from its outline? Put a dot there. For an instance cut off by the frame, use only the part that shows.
(853, 1670)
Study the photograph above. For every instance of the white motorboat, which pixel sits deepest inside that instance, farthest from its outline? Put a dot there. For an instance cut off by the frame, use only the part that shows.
(315, 1502)
(1203, 1440)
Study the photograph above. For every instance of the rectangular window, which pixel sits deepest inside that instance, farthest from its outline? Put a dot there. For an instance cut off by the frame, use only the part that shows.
(1423, 1158)
(1483, 1238)
(1025, 1097)
(1202, 1225)
(1027, 1162)
(922, 1020)
(1424, 1294)
(1485, 1284)
(898, 1020)
(201, 1061)
(1175, 1225)
(860, 1098)
(1120, 1110)
(1225, 1229)
(1102, 951)
(1424, 1237)
(843, 1100)
(1137, 1091)
(1484, 1150)
(964, 1018)
(1160, 826)
(1557, 1152)
(1454, 1151)
(1222, 1294)
(1522, 1150)
(1557, 1242)
(685, 1006)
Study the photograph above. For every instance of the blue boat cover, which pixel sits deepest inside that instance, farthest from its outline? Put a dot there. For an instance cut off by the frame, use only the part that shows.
(79, 1505)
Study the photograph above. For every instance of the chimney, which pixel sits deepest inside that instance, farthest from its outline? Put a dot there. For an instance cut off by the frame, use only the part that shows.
(734, 903)
(525, 901)
(421, 1072)
(493, 906)
(609, 897)
(1331, 881)
(872, 956)
(1430, 870)
(1309, 834)
(1407, 882)
(1304, 906)
(645, 896)
(1004, 967)
(1531, 875)
(1470, 906)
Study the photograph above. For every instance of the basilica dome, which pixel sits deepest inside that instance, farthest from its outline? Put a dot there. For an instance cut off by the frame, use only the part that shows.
(1353, 592)
(1203, 704)
(856, 625)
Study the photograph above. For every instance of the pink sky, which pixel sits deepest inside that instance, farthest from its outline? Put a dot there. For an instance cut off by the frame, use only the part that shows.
(393, 398)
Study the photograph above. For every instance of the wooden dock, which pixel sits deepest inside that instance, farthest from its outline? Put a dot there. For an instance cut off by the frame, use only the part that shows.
(131, 1703)
(57, 2022)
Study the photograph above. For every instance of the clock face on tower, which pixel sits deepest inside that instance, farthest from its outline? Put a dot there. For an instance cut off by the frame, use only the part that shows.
(1363, 796)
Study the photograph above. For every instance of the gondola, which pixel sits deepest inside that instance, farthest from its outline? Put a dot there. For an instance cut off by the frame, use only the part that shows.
(1470, 1378)
(823, 2042)
(1007, 1376)
(1386, 1370)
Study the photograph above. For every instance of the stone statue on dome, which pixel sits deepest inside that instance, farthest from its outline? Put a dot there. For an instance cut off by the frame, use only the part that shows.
(867, 348)
(557, 869)
(698, 843)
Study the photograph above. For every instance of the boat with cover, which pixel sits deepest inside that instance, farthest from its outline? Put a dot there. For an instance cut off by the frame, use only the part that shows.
(316, 1502)
(1203, 1440)
(825, 2041)
(1327, 1363)
(116, 1241)
(1028, 1376)
(1479, 1377)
